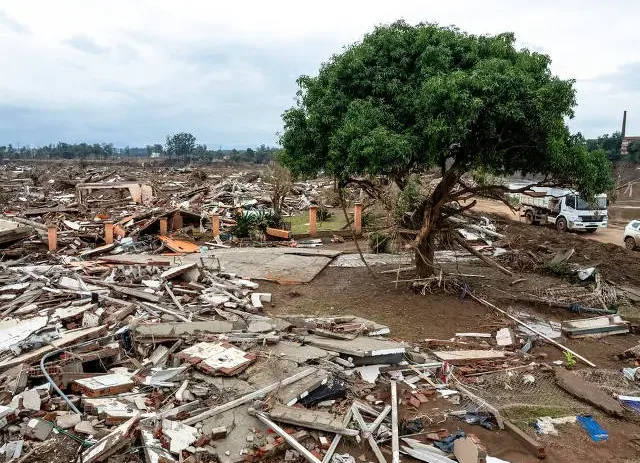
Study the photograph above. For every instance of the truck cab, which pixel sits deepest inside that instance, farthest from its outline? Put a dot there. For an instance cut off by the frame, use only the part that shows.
(564, 208)
(575, 213)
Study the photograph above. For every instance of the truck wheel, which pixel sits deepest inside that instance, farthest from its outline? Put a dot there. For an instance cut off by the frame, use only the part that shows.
(528, 217)
(591, 230)
(561, 224)
(630, 243)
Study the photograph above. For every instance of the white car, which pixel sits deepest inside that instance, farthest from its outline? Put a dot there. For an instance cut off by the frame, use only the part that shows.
(632, 235)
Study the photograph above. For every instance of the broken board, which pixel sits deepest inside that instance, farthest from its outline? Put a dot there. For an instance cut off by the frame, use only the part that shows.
(459, 356)
(358, 347)
(606, 325)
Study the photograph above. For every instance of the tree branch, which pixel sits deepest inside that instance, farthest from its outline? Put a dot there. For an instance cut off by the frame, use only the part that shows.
(481, 256)
(452, 211)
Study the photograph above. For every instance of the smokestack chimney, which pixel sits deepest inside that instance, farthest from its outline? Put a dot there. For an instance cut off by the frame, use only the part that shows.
(624, 124)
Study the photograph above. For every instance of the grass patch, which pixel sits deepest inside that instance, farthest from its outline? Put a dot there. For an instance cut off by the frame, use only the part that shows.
(525, 414)
(300, 223)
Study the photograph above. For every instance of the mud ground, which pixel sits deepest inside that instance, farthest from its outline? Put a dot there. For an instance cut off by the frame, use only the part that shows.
(415, 317)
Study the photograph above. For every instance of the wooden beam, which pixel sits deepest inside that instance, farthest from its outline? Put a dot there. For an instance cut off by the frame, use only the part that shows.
(482, 257)
(395, 444)
(310, 457)
(521, 323)
(248, 398)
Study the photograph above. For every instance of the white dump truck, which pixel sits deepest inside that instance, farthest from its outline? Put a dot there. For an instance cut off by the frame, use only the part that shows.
(563, 208)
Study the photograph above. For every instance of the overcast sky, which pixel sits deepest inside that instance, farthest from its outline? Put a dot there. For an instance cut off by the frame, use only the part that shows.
(132, 71)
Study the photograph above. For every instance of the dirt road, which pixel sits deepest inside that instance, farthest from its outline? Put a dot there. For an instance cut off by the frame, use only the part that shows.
(611, 234)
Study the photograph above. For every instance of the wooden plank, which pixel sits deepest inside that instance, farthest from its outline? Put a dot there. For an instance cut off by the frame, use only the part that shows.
(337, 438)
(535, 446)
(453, 356)
(177, 271)
(290, 440)
(372, 442)
(318, 420)
(248, 398)
(482, 403)
(285, 234)
(395, 444)
(521, 323)
(179, 245)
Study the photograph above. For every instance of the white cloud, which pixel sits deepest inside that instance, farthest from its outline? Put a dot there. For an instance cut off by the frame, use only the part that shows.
(131, 72)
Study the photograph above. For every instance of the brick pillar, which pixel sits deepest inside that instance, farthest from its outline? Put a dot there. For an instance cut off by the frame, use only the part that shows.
(357, 218)
(52, 237)
(163, 226)
(176, 221)
(313, 210)
(108, 232)
(215, 225)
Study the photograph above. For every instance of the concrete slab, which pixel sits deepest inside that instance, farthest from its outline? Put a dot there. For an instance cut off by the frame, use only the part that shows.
(268, 372)
(587, 392)
(231, 388)
(292, 351)
(291, 394)
(176, 330)
(358, 347)
(272, 264)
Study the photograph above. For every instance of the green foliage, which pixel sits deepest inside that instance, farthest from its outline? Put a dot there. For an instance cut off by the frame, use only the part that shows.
(367, 219)
(513, 201)
(180, 145)
(323, 214)
(251, 221)
(610, 144)
(408, 98)
(525, 414)
(569, 359)
(379, 242)
(409, 198)
(634, 152)
(559, 269)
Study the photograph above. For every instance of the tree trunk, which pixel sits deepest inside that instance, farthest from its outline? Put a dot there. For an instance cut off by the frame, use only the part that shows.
(430, 212)
(424, 256)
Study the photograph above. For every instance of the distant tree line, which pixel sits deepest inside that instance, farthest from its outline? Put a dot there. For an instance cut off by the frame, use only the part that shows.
(178, 148)
(612, 144)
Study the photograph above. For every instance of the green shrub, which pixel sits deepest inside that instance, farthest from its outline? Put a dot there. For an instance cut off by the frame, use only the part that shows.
(323, 214)
(379, 242)
(409, 198)
(247, 222)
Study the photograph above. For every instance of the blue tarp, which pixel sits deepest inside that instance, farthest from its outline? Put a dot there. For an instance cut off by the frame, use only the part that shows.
(593, 428)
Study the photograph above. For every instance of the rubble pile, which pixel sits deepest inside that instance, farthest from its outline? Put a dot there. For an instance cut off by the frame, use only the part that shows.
(80, 204)
(140, 336)
(175, 360)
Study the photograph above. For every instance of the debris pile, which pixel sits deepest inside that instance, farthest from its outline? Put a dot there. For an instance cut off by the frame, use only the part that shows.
(144, 338)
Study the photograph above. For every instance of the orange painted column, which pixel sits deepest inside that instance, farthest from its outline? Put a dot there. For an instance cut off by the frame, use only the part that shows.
(215, 225)
(108, 232)
(176, 221)
(357, 218)
(163, 226)
(313, 212)
(52, 237)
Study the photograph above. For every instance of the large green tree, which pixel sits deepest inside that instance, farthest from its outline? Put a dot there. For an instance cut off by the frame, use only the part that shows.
(180, 145)
(408, 99)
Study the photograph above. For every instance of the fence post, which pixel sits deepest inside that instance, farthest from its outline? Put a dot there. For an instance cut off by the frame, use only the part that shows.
(108, 232)
(357, 218)
(215, 225)
(163, 226)
(52, 237)
(313, 211)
